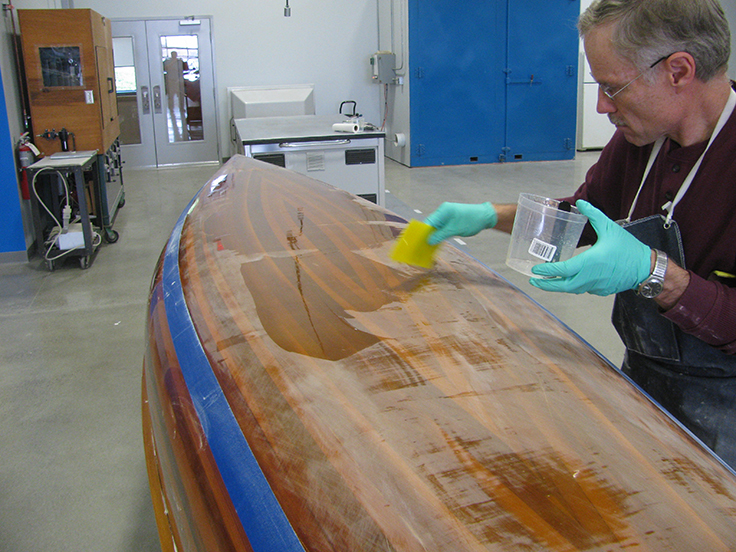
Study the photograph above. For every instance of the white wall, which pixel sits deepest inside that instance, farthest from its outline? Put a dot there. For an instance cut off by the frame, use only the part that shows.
(729, 6)
(324, 42)
(393, 33)
(327, 43)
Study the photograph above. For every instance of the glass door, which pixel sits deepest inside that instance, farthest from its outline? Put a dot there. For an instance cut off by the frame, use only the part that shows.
(132, 92)
(166, 94)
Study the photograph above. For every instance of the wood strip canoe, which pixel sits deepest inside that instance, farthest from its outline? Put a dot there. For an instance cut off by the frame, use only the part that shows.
(303, 392)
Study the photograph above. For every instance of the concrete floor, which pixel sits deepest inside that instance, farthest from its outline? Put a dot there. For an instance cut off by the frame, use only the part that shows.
(73, 472)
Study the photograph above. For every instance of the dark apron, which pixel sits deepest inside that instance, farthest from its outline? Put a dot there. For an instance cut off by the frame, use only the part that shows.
(695, 382)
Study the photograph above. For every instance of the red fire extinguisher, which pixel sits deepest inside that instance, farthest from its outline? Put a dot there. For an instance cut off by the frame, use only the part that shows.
(26, 156)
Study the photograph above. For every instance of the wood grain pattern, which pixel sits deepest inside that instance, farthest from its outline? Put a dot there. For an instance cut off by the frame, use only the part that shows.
(94, 125)
(392, 408)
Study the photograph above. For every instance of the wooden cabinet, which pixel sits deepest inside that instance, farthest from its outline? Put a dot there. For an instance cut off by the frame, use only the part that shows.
(70, 77)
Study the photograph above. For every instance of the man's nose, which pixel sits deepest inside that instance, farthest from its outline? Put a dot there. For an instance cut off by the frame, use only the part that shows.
(604, 104)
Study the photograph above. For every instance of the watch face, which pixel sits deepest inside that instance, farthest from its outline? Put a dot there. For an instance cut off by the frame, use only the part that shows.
(651, 289)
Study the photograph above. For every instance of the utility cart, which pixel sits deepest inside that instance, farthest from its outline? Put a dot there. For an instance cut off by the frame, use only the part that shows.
(61, 199)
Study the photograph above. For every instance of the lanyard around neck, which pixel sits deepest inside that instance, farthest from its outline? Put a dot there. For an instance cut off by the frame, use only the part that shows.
(670, 205)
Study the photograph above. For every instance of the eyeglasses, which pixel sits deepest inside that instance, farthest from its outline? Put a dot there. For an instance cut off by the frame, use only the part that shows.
(608, 91)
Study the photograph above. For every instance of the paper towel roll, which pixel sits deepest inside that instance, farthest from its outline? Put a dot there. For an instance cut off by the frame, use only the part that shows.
(399, 140)
(346, 127)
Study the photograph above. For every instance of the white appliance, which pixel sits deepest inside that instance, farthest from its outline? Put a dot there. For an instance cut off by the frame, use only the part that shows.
(271, 101)
(248, 102)
(308, 145)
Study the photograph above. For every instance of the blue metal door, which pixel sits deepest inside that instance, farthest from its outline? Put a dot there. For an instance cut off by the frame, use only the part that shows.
(492, 80)
(458, 53)
(541, 80)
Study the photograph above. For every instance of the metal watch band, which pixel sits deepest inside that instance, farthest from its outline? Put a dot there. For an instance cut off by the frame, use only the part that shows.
(652, 286)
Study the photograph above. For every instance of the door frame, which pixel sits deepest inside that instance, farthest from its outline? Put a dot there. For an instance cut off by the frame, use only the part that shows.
(146, 154)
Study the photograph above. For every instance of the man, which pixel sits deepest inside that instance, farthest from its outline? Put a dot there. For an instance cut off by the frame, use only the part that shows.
(669, 176)
(174, 68)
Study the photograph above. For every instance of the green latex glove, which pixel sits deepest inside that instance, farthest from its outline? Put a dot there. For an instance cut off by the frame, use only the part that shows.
(617, 262)
(460, 219)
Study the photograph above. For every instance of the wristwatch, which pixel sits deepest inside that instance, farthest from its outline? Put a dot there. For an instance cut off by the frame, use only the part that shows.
(652, 286)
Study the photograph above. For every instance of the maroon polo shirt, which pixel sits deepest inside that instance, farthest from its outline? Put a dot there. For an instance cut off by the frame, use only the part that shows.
(706, 216)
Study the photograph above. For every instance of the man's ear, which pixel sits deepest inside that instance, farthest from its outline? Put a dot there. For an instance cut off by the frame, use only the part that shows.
(681, 68)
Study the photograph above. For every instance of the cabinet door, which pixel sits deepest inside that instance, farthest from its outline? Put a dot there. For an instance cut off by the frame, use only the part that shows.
(106, 82)
(109, 72)
(62, 77)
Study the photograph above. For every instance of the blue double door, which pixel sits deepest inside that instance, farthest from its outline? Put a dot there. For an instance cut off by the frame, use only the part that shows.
(493, 80)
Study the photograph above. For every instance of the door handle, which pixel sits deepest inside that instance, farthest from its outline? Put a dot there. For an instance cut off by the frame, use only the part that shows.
(146, 100)
(157, 99)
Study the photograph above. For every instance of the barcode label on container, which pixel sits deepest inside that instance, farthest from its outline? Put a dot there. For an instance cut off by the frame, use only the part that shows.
(542, 250)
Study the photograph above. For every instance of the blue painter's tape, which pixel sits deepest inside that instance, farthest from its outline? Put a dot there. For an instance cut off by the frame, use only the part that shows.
(260, 513)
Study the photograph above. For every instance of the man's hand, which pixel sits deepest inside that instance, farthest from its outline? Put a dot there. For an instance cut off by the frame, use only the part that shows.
(617, 262)
(460, 219)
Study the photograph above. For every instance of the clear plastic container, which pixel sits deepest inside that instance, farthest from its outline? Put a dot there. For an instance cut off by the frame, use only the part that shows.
(545, 230)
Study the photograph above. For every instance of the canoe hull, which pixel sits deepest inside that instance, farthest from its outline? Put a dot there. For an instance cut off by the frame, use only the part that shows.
(305, 392)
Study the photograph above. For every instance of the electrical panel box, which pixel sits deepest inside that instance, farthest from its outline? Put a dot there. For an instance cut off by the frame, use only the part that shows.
(70, 78)
(383, 67)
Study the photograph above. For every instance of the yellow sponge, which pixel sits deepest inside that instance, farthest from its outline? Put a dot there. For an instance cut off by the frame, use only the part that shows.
(411, 246)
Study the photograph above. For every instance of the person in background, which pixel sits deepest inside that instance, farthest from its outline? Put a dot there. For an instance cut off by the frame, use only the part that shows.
(668, 177)
(174, 68)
